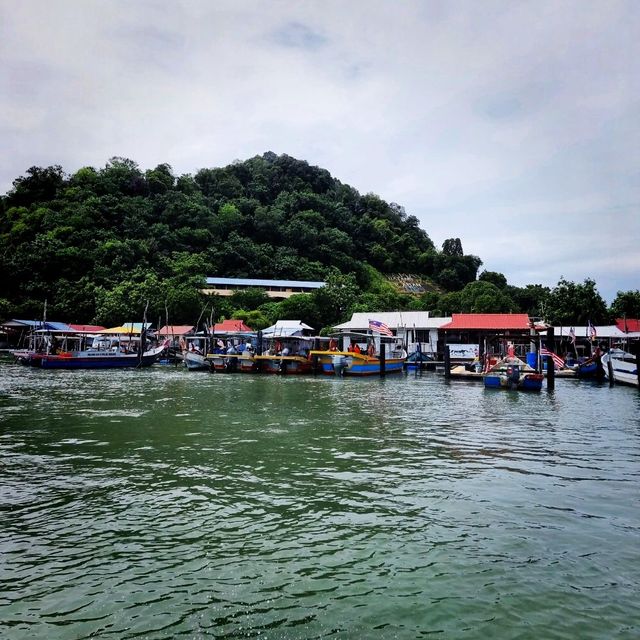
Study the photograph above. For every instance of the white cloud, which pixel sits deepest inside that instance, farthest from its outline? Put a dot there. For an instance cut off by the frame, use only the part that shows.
(510, 125)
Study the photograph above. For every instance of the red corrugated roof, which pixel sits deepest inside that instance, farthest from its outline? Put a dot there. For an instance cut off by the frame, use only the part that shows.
(628, 325)
(87, 328)
(175, 330)
(488, 321)
(230, 325)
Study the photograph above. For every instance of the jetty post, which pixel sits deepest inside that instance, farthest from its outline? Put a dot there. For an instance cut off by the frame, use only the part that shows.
(447, 362)
(383, 360)
(610, 370)
(551, 371)
(599, 367)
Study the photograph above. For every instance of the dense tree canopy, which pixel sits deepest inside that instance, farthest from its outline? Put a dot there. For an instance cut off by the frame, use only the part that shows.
(102, 243)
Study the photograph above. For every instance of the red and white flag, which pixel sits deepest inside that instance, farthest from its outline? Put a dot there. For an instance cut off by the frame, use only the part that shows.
(557, 360)
(380, 327)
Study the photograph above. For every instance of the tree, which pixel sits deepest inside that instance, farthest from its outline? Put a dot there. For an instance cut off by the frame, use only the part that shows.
(39, 185)
(494, 278)
(452, 247)
(626, 304)
(575, 304)
(160, 179)
(250, 298)
(335, 299)
(485, 297)
(530, 299)
(254, 319)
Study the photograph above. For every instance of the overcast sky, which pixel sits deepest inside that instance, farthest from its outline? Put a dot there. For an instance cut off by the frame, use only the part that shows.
(513, 125)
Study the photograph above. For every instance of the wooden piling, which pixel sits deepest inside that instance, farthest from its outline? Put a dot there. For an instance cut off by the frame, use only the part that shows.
(610, 370)
(599, 367)
(383, 361)
(551, 370)
(447, 362)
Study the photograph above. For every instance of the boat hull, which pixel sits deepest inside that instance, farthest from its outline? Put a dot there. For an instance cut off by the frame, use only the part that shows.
(344, 363)
(284, 365)
(624, 371)
(97, 362)
(527, 382)
(195, 361)
(223, 363)
(100, 359)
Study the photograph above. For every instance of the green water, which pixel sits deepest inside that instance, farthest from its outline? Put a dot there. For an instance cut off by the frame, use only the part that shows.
(168, 504)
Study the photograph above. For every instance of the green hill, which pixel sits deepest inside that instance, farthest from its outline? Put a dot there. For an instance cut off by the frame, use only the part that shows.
(98, 243)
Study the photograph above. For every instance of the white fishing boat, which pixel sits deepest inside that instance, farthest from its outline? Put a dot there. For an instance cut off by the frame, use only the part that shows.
(195, 360)
(623, 366)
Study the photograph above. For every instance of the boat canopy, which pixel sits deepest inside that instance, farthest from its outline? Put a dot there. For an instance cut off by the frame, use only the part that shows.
(129, 327)
(286, 329)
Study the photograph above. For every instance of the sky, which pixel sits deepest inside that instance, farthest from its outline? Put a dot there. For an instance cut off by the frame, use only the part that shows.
(513, 125)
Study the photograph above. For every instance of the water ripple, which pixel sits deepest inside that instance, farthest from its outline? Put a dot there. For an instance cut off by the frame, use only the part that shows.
(312, 508)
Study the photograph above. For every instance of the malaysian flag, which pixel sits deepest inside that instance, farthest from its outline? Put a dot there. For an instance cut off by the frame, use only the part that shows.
(380, 327)
(557, 360)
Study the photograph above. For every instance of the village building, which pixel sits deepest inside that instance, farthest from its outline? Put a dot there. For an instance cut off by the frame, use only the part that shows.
(414, 329)
(273, 288)
(471, 335)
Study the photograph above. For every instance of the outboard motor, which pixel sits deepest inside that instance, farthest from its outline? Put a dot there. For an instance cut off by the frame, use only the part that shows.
(513, 374)
(339, 364)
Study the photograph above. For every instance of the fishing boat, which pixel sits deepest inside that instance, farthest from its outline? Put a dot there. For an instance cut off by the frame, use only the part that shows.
(591, 368)
(285, 348)
(233, 352)
(233, 362)
(286, 355)
(81, 350)
(362, 355)
(348, 363)
(623, 366)
(100, 357)
(95, 360)
(513, 373)
(418, 360)
(195, 360)
(193, 350)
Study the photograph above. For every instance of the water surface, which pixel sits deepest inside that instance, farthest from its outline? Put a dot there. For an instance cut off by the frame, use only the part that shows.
(167, 504)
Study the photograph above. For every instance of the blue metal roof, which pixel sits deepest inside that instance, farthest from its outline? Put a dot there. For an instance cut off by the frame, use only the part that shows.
(257, 282)
(47, 326)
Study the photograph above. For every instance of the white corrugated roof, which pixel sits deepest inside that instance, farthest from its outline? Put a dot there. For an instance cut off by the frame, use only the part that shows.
(259, 282)
(608, 331)
(394, 320)
(286, 328)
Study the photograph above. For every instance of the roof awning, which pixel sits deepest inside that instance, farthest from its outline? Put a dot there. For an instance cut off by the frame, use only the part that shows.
(488, 322)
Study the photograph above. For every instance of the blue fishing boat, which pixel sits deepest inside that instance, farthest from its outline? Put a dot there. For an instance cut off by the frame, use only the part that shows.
(591, 368)
(100, 359)
(102, 352)
(345, 363)
(513, 373)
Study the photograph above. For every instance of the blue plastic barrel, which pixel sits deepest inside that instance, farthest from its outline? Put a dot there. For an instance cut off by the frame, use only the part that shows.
(531, 359)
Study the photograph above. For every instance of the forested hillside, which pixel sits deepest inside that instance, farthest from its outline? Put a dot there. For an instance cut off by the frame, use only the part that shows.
(99, 243)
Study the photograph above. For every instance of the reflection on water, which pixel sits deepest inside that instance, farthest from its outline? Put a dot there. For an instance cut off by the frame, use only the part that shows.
(165, 504)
